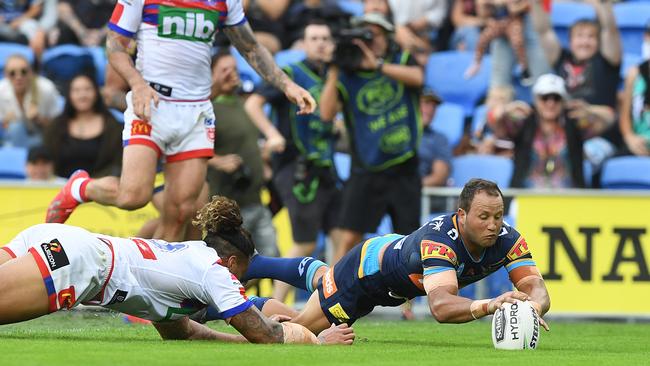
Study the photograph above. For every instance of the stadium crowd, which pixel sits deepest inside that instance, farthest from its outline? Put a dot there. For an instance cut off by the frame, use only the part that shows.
(558, 110)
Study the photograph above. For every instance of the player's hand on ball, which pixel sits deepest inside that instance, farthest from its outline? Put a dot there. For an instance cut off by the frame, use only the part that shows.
(510, 296)
(337, 334)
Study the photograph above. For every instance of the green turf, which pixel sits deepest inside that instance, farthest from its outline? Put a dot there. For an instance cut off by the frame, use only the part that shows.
(100, 339)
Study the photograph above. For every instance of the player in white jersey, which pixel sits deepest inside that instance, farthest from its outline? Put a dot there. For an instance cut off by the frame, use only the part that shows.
(168, 112)
(50, 267)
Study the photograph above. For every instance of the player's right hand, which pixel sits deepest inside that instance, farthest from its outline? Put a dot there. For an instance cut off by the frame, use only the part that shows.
(337, 334)
(142, 95)
(510, 296)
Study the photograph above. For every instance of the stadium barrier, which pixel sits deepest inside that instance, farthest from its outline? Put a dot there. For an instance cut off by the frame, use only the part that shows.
(591, 246)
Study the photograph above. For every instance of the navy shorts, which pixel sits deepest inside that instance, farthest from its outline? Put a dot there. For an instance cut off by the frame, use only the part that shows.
(352, 288)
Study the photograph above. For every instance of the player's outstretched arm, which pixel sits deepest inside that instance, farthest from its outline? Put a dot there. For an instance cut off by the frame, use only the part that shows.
(185, 328)
(528, 279)
(242, 37)
(447, 307)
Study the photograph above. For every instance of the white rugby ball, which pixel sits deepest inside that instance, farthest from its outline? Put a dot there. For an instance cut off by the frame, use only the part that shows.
(515, 326)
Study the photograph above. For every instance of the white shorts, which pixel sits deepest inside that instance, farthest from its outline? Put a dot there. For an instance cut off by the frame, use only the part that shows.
(178, 130)
(75, 264)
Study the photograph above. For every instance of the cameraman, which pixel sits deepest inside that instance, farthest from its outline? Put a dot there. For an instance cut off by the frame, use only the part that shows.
(304, 174)
(236, 171)
(380, 101)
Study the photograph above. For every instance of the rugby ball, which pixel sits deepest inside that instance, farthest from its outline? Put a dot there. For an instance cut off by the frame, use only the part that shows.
(515, 326)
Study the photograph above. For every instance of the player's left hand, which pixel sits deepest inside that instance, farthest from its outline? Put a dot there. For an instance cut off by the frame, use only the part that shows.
(301, 97)
(337, 334)
(280, 318)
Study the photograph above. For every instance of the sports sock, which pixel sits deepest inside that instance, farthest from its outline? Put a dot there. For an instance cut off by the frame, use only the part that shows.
(298, 272)
(78, 189)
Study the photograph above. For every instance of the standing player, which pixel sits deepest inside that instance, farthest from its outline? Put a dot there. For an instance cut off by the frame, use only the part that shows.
(447, 253)
(49, 267)
(168, 109)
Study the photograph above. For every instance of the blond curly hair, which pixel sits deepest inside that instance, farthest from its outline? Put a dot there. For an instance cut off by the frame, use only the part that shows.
(219, 216)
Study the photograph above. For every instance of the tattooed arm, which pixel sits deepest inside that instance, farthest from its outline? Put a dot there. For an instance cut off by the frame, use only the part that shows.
(117, 48)
(185, 328)
(257, 328)
(242, 37)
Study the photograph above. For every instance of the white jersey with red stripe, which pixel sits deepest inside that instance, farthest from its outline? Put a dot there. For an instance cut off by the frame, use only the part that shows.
(160, 281)
(174, 40)
(150, 279)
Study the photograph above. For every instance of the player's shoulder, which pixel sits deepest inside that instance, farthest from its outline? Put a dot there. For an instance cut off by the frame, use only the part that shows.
(442, 228)
(511, 243)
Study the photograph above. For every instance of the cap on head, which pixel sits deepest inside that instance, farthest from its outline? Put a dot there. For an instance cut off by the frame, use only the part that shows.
(376, 19)
(550, 84)
(429, 94)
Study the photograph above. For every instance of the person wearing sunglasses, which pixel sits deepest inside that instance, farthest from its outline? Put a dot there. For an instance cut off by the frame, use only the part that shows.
(548, 139)
(28, 102)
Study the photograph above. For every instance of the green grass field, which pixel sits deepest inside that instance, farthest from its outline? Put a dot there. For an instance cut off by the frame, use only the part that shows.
(103, 339)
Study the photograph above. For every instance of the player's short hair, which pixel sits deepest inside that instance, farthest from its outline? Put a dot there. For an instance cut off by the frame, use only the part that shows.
(221, 223)
(474, 186)
(584, 22)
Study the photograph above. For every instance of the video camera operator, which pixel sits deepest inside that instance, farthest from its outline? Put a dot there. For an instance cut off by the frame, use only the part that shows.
(378, 86)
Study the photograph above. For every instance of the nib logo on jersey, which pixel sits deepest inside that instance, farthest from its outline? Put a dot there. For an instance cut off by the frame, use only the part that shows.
(55, 254)
(189, 24)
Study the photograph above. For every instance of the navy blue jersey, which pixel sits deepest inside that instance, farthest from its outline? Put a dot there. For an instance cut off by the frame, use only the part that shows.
(436, 247)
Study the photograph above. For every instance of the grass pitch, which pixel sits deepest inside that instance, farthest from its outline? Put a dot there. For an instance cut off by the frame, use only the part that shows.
(73, 338)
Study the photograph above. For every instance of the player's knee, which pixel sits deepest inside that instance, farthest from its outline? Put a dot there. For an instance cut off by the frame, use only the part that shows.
(185, 211)
(133, 200)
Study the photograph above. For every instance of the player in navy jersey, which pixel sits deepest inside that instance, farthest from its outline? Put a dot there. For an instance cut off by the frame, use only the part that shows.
(445, 254)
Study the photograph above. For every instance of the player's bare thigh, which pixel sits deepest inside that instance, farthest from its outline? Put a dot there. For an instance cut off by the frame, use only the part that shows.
(22, 290)
(312, 316)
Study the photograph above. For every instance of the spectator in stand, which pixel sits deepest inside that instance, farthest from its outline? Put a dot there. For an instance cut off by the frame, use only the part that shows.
(40, 166)
(417, 23)
(502, 18)
(548, 141)
(434, 151)
(28, 102)
(635, 110)
(19, 24)
(81, 22)
(267, 18)
(85, 136)
(467, 24)
(590, 67)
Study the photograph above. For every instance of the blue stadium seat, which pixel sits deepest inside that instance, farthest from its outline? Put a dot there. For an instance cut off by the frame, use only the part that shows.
(12, 162)
(342, 163)
(626, 172)
(494, 168)
(100, 61)
(8, 49)
(632, 19)
(354, 8)
(588, 173)
(444, 74)
(62, 63)
(450, 121)
(248, 75)
(286, 57)
(565, 13)
(118, 115)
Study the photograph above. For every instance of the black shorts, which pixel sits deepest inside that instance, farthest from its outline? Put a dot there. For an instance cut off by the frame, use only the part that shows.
(307, 219)
(368, 196)
(344, 296)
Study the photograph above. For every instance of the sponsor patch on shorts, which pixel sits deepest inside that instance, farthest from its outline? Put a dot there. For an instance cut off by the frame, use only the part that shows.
(338, 312)
(55, 254)
(140, 128)
(329, 286)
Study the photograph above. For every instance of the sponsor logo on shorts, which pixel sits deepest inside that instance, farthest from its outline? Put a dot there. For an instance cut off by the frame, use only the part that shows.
(55, 254)
(140, 128)
(118, 297)
(329, 286)
(67, 298)
(518, 250)
(338, 312)
(208, 123)
(431, 249)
